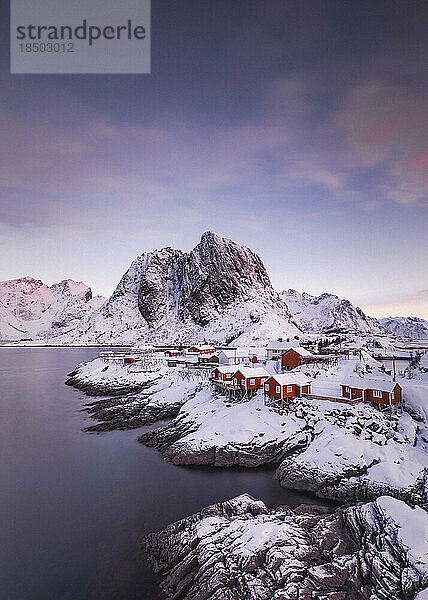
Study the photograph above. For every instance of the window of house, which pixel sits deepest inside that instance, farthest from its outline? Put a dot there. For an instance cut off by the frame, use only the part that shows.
(278, 389)
(289, 388)
(377, 394)
(252, 381)
(266, 387)
(347, 389)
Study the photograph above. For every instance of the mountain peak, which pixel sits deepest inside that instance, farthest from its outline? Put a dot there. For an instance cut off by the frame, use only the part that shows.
(328, 312)
(219, 291)
(216, 237)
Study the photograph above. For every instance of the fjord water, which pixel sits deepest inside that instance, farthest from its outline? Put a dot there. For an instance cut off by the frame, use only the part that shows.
(74, 506)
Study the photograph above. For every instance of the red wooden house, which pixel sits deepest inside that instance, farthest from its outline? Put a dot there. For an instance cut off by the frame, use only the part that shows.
(205, 349)
(378, 391)
(249, 378)
(130, 359)
(287, 385)
(295, 357)
(223, 374)
(171, 353)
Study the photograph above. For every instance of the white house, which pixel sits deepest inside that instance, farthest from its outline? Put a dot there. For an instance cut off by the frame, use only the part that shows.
(236, 356)
(275, 349)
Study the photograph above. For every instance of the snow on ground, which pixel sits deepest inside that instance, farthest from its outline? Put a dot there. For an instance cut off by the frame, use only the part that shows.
(334, 449)
(411, 526)
(240, 549)
(415, 395)
(357, 451)
(112, 375)
(219, 424)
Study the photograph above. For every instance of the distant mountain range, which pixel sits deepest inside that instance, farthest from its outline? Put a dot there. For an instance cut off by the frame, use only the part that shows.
(30, 309)
(328, 314)
(412, 327)
(220, 292)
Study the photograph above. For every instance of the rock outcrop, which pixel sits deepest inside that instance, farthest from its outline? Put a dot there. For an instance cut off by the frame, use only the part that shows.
(334, 450)
(240, 550)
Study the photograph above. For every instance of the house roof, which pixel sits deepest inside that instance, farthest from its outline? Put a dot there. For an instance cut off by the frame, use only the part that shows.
(252, 372)
(276, 345)
(227, 369)
(292, 378)
(259, 351)
(362, 383)
(232, 353)
(203, 347)
(302, 351)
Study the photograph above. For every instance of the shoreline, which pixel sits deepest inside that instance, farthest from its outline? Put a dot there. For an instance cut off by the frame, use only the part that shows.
(341, 455)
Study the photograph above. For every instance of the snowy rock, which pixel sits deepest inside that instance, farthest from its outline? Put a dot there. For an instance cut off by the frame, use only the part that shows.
(335, 450)
(160, 399)
(99, 378)
(209, 430)
(240, 550)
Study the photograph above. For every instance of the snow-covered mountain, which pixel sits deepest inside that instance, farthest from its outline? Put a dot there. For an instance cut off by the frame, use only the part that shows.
(408, 327)
(220, 291)
(328, 313)
(30, 309)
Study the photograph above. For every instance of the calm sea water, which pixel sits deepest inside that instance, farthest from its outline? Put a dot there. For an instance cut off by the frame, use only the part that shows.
(74, 506)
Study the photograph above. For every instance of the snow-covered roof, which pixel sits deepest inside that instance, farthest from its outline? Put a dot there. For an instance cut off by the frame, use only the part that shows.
(362, 383)
(202, 347)
(253, 351)
(302, 351)
(276, 345)
(253, 372)
(226, 369)
(292, 378)
(232, 353)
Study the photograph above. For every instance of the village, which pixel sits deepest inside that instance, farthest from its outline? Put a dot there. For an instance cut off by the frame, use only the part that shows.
(278, 371)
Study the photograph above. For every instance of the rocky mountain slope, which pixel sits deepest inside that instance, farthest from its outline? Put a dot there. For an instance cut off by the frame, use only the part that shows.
(409, 327)
(30, 309)
(220, 291)
(241, 550)
(328, 313)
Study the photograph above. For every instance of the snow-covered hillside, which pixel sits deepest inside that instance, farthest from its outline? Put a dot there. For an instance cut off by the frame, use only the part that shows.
(328, 313)
(408, 327)
(220, 291)
(30, 309)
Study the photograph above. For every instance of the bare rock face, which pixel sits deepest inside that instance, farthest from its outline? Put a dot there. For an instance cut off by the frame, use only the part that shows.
(240, 550)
